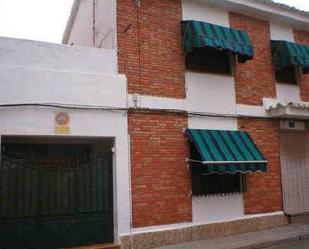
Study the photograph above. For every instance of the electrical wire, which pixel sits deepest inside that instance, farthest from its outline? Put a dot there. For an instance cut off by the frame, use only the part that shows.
(141, 109)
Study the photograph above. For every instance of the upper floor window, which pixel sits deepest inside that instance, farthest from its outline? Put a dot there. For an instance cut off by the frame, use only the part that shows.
(289, 59)
(288, 75)
(209, 60)
(211, 48)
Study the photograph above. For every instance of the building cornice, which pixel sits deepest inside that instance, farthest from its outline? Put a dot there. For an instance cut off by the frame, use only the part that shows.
(266, 10)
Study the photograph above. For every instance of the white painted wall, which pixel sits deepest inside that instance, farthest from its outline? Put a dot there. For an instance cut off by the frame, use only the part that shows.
(27, 85)
(81, 32)
(279, 31)
(82, 29)
(106, 28)
(263, 10)
(38, 72)
(288, 93)
(26, 53)
(214, 123)
(39, 121)
(217, 208)
(194, 10)
(212, 93)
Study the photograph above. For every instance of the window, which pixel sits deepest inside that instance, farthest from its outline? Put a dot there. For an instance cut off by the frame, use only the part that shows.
(209, 60)
(287, 75)
(217, 184)
(219, 160)
(214, 184)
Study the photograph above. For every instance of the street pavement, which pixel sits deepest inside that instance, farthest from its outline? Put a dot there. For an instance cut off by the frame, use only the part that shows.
(302, 244)
(288, 237)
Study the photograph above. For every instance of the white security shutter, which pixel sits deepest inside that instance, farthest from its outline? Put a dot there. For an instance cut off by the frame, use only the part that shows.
(295, 172)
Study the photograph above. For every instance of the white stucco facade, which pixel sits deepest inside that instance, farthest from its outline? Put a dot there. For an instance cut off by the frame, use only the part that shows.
(199, 11)
(211, 209)
(288, 93)
(203, 90)
(43, 55)
(94, 24)
(59, 74)
(38, 79)
(279, 31)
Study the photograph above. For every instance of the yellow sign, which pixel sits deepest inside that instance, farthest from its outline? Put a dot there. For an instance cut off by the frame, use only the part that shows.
(62, 130)
(62, 123)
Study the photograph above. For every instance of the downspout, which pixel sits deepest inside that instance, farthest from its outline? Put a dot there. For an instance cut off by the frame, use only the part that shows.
(137, 4)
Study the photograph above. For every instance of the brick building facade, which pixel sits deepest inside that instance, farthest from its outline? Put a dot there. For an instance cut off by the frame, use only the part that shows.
(169, 92)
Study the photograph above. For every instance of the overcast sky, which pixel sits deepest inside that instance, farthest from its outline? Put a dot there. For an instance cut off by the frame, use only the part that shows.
(45, 20)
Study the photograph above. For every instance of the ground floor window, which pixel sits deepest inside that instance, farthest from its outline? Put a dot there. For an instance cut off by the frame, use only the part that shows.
(219, 160)
(217, 184)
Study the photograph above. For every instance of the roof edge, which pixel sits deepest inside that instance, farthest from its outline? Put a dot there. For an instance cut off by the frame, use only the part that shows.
(70, 22)
(284, 7)
(294, 15)
(266, 10)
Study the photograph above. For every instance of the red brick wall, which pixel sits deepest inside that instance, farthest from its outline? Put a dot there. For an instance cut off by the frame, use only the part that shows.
(254, 79)
(303, 38)
(150, 49)
(160, 178)
(263, 189)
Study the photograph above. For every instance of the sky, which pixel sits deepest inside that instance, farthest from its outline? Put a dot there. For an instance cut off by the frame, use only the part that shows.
(300, 4)
(45, 20)
(42, 20)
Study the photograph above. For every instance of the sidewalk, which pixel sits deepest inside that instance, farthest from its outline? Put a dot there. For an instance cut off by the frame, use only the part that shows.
(261, 239)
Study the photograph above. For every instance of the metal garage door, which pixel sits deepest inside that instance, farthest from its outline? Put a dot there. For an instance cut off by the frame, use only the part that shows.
(52, 207)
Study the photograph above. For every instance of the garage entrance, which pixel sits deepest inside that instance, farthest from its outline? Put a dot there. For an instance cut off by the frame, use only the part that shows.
(56, 192)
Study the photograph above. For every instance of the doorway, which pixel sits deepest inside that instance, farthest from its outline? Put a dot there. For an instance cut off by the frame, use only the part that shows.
(295, 172)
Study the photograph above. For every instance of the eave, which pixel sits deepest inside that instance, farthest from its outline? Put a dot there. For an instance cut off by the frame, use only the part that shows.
(287, 110)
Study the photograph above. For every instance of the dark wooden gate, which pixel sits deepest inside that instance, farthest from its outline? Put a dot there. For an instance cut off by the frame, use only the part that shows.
(47, 207)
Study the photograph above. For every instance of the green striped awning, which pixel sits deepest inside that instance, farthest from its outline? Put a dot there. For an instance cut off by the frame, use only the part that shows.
(286, 54)
(196, 34)
(221, 152)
